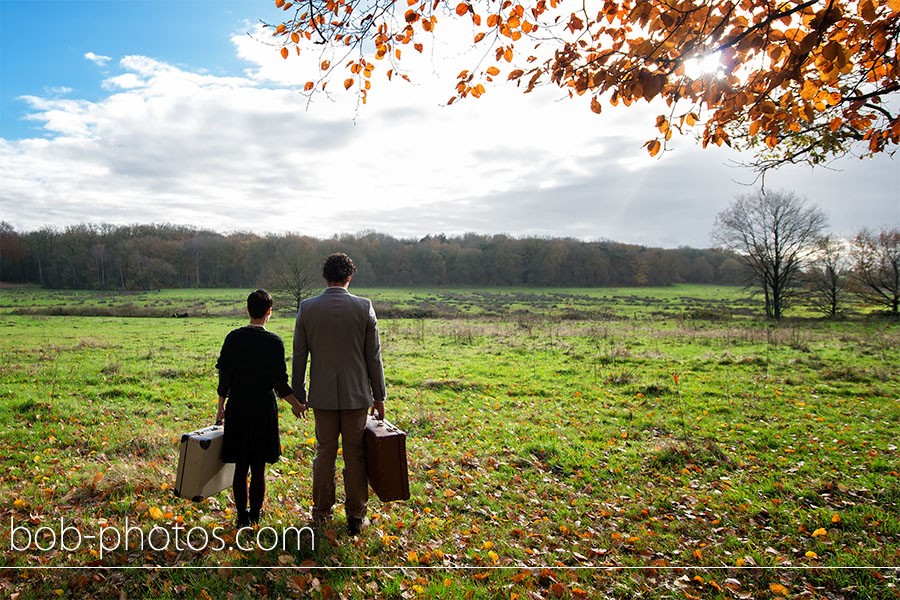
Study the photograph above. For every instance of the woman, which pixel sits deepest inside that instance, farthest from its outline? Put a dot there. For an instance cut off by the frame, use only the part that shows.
(251, 365)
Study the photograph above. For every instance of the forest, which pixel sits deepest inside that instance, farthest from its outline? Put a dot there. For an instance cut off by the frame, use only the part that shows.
(134, 257)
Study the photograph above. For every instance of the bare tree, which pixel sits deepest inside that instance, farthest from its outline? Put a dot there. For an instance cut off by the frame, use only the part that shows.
(294, 270)
(876, 269)
(773, 233)
(828, 276)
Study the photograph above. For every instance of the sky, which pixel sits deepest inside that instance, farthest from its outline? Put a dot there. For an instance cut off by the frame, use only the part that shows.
(183, 112)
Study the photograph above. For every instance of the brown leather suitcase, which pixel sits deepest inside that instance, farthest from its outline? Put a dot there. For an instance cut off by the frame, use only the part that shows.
(201, 472)
(386, 460)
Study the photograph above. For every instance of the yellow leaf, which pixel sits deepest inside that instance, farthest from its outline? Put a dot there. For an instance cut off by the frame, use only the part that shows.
(449, 493)
(156, 513)
(19, 503)
(493, 71)
(58, 592)
(836, 518)
(894, 5)
(820, 531)
(777, 588)
(811, 554)
(412, 557)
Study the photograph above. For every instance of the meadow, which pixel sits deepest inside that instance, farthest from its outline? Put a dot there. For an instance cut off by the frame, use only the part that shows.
(609, 443)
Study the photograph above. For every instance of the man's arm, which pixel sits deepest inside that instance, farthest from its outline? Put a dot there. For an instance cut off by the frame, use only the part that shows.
(374, 365)
(298, 361)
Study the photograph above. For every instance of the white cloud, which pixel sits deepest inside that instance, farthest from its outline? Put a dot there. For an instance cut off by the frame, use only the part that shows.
(98, 59)
(126, 81)
(252, 152)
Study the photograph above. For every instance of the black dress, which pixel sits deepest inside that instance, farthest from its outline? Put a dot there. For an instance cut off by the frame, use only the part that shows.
(251, 365)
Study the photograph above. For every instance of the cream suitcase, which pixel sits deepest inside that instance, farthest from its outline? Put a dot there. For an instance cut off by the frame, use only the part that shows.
(201, 472)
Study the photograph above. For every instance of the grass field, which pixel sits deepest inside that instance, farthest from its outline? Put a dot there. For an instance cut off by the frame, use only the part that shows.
(653, 447)
(576, 303)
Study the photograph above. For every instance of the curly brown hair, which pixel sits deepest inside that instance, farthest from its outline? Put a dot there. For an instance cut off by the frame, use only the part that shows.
(338, 268)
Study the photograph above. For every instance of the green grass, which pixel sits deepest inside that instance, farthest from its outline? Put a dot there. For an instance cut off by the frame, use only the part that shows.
(683, 301)
(536, 444)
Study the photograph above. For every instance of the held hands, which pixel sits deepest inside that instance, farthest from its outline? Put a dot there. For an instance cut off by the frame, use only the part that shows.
(297, 407)
(299, 410)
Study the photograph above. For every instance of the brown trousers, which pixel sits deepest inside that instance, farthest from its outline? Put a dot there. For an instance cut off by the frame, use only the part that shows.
(350, 425)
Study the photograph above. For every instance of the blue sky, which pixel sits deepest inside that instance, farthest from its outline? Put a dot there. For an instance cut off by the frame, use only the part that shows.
(137, 111)
(43, 43)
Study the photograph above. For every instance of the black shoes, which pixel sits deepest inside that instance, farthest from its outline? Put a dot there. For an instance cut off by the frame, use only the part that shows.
(243, 518)
(355, 526)
(248, 518)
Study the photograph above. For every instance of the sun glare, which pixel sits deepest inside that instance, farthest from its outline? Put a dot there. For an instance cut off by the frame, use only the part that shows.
(700, 66)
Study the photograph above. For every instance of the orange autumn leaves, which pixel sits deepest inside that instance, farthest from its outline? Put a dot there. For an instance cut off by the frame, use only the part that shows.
(801, 80)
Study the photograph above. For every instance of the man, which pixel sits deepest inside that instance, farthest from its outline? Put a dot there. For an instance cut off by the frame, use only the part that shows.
(339, 332)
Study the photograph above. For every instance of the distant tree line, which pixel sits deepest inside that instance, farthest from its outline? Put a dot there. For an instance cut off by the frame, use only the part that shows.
(135, 257)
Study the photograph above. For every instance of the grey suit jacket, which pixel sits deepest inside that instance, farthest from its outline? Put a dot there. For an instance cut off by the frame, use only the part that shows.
(339, 332)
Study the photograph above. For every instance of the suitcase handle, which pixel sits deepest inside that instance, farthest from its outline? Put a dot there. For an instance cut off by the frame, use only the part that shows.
(389, 427)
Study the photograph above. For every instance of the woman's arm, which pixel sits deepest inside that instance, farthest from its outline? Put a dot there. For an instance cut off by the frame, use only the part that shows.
(284, 390)
(225, 379)
(220, 411)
